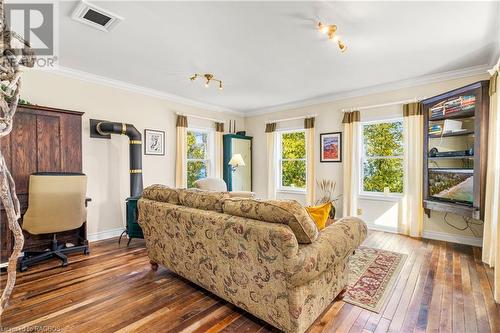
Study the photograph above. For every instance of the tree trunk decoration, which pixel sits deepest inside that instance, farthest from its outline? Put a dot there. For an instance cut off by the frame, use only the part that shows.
(15, 52)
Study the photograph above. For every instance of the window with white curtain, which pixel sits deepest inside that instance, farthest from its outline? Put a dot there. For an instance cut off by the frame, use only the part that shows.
(200, 155)
(381, 169)
(291, 160)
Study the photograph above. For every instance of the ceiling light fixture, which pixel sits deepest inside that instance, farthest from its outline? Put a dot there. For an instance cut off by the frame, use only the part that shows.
(330, 31)
(208, 78)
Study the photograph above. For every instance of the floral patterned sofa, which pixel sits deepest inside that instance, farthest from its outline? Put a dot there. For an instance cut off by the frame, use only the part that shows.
(266, 257)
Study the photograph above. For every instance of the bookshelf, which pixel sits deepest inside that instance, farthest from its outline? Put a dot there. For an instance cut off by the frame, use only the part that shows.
(455, 128)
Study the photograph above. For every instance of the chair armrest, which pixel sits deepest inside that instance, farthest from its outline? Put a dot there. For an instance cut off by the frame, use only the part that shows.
(242, 194)
(334, 246)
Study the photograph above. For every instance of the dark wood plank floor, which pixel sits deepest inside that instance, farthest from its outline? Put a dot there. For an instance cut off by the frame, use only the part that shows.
(443, 287)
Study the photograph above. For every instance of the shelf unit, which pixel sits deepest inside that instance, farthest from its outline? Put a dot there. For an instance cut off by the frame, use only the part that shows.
(451, 157)
(446, 135)
(475, 136)
(456, 115)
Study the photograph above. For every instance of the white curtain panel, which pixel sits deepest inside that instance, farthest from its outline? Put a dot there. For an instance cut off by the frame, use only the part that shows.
(271, 160)
(491, 237)
(310, 167)
(352, 137)
(412, 209)
(181, 153)
(219, 154)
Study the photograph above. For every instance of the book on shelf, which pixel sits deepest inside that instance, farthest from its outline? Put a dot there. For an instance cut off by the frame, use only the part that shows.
(457, 104)
(435, 129)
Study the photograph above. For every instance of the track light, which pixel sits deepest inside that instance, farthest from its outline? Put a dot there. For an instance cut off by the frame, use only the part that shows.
(327, 29)
(330, 31)
(208, 78)
(342, 46)
(323, 28)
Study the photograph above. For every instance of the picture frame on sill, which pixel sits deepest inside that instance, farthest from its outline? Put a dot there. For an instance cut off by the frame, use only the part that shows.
(330, 147)
(154, 142)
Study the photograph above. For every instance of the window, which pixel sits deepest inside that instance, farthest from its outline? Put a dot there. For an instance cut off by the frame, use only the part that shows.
(292, 160)
(382, 157)
(198, 155)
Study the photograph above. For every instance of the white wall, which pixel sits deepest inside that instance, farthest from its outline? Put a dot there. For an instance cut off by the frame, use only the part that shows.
(380, 214)
(106, 162)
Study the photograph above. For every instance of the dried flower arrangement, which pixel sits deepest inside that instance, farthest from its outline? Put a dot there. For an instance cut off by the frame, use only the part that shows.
(327, 190)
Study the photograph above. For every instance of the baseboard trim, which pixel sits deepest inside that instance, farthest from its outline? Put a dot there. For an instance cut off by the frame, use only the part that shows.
(391, 230)
(442, 236)
(105, 234)
(435, 235)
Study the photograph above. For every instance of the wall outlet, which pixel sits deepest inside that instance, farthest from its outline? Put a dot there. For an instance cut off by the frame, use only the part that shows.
(360, 211)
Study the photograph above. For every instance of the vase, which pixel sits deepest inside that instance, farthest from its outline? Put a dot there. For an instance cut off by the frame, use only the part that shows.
(332, 212)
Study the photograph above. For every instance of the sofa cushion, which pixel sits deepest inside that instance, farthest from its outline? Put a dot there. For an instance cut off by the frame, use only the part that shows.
(206, 200)
(161, 193)
(288, 212)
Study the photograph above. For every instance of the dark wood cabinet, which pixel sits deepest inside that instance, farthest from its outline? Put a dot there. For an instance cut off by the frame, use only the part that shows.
(455, 158)
(43, 139)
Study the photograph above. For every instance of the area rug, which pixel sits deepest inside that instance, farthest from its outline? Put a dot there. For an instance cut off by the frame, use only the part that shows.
(372, 275)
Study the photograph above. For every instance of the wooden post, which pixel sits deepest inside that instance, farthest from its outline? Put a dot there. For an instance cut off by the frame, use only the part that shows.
(14, 53)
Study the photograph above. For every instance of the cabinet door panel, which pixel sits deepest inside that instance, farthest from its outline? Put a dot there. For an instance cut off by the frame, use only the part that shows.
(23, 149)
(48, 144)
(71, 143)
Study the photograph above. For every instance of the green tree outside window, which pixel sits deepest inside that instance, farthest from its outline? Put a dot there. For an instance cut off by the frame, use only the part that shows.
(293, 159)
(197, 156)
(382, 160)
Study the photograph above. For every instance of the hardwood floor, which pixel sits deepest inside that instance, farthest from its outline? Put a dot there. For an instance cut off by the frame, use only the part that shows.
(442, 287)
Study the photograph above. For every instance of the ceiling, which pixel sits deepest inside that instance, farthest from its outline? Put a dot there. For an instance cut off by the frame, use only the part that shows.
(270, 53)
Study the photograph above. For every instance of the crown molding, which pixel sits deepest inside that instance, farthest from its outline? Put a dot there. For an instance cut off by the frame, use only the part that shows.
(408, 83)
(413, 82)
(495, 56)
(94, 78)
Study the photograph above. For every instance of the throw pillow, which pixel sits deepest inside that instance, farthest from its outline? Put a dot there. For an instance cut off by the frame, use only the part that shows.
(320, 214)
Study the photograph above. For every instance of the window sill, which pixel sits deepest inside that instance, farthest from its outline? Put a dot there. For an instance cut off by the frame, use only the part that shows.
(380, 197)
(290, 191)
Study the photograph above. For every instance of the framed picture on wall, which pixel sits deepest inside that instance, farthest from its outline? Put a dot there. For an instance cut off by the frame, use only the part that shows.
(331, 147)
(154, 142)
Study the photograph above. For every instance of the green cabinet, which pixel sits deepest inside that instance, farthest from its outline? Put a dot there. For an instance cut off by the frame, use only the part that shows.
(240, 178)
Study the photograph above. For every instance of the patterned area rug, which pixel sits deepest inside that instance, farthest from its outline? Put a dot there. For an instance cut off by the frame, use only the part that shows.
(372, 275)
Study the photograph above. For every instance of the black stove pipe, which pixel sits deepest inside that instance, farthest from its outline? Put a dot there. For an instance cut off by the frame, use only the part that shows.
(135, 148)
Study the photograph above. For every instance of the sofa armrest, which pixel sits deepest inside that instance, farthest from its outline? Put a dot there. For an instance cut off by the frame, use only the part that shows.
(242, 194)
(334, 246)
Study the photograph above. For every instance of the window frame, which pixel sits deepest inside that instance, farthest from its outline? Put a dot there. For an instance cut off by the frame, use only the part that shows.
(392, 196)
(210, 152)
(280, 187)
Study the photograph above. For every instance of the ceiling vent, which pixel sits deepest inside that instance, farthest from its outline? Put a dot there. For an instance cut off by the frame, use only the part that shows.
(95, 16)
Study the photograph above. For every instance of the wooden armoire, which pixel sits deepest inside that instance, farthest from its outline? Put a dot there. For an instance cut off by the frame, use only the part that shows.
(43, 139)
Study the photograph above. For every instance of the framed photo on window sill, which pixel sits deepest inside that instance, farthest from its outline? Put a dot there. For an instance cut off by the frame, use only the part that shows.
(330, 147)
(154, 142)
